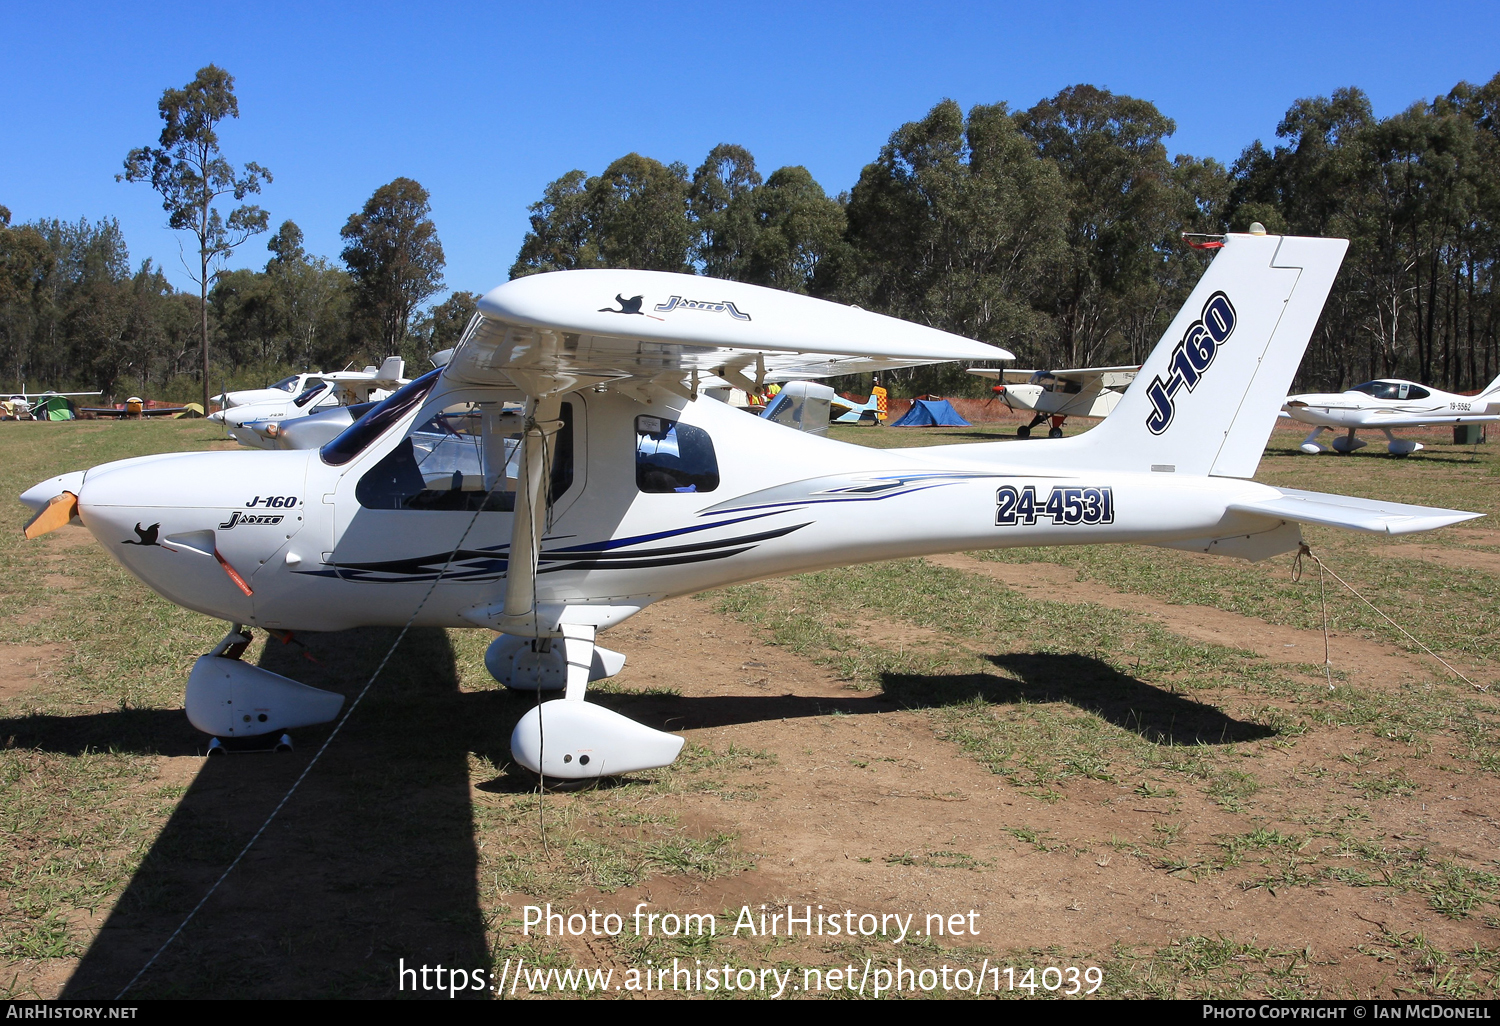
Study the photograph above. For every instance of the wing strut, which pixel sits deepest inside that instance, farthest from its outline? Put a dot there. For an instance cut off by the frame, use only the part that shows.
(529, 522)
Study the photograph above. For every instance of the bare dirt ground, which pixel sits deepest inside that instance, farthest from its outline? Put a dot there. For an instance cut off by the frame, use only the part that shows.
(856, 781)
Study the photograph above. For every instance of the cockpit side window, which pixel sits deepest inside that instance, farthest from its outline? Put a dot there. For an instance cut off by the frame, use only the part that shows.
(465, 458)
(673, 457)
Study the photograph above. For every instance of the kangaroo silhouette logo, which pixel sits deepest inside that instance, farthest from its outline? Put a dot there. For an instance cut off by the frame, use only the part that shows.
(147, 536)
(627, 306)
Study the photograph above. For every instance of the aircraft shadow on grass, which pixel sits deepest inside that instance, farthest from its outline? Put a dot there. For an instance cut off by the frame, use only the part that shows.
(1457, 456)
(374, 859)
(1159, 716)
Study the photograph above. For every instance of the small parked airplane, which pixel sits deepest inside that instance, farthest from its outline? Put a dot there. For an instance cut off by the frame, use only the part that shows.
(25, 405)
(853, 412)
(324, 392)
(614, 486)
(1384, 404)
(803, 405)
(313, 431)
(137, 407)
(1060, 394)
(357, 385)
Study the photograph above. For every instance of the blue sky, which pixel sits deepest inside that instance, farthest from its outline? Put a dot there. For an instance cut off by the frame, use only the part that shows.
(486, 103)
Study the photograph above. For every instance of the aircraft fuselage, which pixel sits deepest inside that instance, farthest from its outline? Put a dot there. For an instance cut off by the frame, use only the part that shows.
(313, 551)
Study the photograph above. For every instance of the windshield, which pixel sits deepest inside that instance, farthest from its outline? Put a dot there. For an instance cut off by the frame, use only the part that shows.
(309, 394)
(1379, 389)
(374, 424)
(287, 384)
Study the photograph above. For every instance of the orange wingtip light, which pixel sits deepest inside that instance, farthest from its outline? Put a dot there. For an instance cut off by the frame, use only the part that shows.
(57, 513)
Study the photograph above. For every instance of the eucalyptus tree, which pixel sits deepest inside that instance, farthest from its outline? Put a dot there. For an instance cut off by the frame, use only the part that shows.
(726, 174)
(310, 299)
(955, 224)
(189, 171)
(1119, 186)
(394, 256)
(635, 214)
(637, 211)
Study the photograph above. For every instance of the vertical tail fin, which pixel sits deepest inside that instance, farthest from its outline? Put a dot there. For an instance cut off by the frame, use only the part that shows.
(1207, 397)
(392, 369)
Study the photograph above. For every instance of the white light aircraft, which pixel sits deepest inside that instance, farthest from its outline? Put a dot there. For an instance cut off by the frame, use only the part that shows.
(19, 405)
(1059, 394)
(313, 431)
(1384, 404)
(614, 488)
(248, 422)
(357, 385)
(802, 406)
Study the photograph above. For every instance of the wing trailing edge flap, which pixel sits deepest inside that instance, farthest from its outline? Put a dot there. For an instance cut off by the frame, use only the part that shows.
(1375, 516)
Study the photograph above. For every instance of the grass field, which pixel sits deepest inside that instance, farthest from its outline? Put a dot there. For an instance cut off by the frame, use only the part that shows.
(1126, 758)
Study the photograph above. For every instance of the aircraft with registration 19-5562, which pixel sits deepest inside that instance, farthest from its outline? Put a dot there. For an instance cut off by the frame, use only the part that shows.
(1384, 404)
(561, 473)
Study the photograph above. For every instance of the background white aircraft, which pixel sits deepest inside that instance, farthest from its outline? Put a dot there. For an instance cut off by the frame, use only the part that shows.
(358, 385)
(18, 405)
(1059, 394)
(802, 406)
(615, 487)
(247, 422)
(1384, 404)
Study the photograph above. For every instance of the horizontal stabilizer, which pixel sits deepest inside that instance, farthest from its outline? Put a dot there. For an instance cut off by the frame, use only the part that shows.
(1373, 515)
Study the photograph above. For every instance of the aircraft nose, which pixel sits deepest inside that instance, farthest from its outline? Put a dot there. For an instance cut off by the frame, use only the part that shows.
(189, 525)
(38, 496)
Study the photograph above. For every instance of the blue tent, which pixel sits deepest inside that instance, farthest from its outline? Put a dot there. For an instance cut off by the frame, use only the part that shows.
(931, 413)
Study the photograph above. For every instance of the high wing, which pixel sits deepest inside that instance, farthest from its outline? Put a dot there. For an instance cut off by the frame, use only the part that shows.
(1105, 377)
(146, 411)
(45, 395)
(390, 374)
(634, 330)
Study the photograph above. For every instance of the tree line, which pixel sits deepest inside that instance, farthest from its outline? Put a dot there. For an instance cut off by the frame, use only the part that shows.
(73, 312)
(1055, 231)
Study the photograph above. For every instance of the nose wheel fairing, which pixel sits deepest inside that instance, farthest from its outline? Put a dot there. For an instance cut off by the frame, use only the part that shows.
(230, 698)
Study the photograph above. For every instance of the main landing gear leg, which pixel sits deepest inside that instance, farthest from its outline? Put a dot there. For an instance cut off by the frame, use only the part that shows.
(1348, 443)
(1024, 431)
(567, 738)
(570, 739)
(1311, 445)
